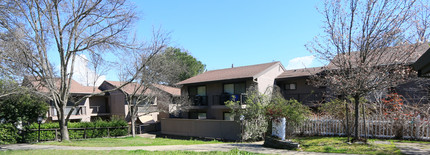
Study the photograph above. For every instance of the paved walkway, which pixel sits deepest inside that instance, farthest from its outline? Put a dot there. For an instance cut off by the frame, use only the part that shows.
(410, 148)
(414, 148)
(250, 147)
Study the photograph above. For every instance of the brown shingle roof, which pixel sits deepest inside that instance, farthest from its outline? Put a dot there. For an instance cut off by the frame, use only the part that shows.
(171, 90)
(130, 88)
(407, 55)
(75, 87)
(300, 72)
(229, 73)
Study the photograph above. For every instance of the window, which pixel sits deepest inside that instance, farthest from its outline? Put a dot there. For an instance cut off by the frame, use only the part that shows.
(199, 90)
(197, 115)
(234, 88)
(290, 86)
(228, 116)
(201, 115)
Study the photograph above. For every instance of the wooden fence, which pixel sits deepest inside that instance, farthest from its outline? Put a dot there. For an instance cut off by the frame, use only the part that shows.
(376, 127)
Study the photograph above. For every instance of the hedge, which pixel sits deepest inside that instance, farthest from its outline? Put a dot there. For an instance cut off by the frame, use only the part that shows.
(8, 134)
(92, 130)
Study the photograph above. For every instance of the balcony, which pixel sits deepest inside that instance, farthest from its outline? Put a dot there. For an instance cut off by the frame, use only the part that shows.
(79, 110)
(221, 99)
(199, 100)
(98, 110)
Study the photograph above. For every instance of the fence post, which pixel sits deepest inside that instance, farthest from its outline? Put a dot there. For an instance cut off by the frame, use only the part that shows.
(108, 132)
(56, 132)
(85, 133)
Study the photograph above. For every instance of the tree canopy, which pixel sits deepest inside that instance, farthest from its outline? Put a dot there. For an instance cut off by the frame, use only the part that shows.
(22, 107)
(191, 66)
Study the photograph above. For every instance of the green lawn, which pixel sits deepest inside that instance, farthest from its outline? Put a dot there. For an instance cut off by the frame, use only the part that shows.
(308, 144)
(338, 145)
(88, 152)
(400, 141)
(128, 141)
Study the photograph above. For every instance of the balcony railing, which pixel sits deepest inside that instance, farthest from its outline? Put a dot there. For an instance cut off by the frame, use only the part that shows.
(221, 99)
(199, 100)
(79, 110)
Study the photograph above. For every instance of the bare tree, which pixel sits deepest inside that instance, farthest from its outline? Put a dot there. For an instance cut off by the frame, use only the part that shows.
(421, 20)
(368, 46)
(144, 92)
(43, 31)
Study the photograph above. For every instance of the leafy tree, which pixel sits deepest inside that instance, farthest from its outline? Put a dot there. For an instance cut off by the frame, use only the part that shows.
(292, 110)
(252, 117)
(191, 66)
(22, 107)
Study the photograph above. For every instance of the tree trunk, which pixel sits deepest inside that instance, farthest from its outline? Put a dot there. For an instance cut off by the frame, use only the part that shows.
(364, 123)
(63, 129)
(133, 125)
(357, 115)
(347, 119)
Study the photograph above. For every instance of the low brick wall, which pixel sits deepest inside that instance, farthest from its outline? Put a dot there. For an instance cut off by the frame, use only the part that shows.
(227, 130)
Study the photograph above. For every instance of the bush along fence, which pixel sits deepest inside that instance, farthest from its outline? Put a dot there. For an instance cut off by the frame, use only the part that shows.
(81, 130)
(415, 128)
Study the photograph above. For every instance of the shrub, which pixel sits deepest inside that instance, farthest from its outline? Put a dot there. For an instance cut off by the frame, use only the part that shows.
(92, 130)
(292, 110)
(254, 121)
(8, 134)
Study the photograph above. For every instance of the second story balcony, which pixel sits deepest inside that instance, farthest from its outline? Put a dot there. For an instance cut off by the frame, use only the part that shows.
(221, 99)
(79, 110)
(99, 110)
(199, 100)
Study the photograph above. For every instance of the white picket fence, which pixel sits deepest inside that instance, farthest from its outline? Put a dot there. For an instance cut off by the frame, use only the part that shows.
(376, 127)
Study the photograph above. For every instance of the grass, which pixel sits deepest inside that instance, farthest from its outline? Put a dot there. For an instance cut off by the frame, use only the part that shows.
(401, 141)
(128, 141)
(103, 152)
(338, 145)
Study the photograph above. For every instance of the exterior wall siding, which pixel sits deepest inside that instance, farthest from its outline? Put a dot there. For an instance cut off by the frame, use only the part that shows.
(307, 94)
(228, 130)
(213, 91)
(267, 80)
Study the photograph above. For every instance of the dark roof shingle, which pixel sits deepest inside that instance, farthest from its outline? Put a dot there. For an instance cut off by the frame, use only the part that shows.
(300, 72)
(229, 73)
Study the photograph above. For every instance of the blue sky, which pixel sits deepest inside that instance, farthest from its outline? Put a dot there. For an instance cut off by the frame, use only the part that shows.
(224, 32)
(220, 33)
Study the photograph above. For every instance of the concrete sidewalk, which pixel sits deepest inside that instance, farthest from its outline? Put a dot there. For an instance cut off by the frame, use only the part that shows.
(250, 147)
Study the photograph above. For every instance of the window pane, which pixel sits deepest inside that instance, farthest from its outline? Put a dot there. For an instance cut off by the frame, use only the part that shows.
(239, 88)
(228, 116)
(202, 115)
(293, 86)
(229, 88)
(201, 90)
(192, 91)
